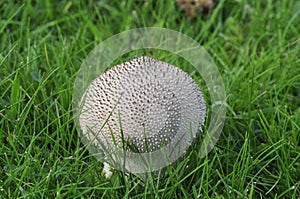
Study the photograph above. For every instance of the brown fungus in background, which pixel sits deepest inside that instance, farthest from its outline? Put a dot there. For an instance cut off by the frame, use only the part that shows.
(195, 7)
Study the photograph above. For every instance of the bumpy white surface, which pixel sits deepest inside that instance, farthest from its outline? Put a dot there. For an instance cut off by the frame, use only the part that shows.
(145, 102)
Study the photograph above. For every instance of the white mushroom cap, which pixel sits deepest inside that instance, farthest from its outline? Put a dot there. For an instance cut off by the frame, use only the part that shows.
(145, 102)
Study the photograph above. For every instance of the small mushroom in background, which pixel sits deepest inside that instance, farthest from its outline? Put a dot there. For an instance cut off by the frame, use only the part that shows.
(194, 7)
(141, 106)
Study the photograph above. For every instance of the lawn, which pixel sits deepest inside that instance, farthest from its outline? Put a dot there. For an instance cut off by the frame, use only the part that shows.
(256, 47)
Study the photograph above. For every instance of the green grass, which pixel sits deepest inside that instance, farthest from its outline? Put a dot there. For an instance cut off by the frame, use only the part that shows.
(256, 46)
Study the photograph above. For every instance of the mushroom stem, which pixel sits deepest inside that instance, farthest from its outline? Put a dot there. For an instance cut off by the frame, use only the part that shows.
(107, 170)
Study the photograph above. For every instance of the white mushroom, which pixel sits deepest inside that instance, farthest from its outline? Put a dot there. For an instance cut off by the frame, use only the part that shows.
(142, 106)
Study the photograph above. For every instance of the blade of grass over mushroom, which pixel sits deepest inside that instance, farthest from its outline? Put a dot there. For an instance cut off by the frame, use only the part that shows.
(104, 146)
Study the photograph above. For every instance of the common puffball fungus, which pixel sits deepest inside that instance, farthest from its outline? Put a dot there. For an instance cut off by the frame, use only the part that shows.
(141, 106)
